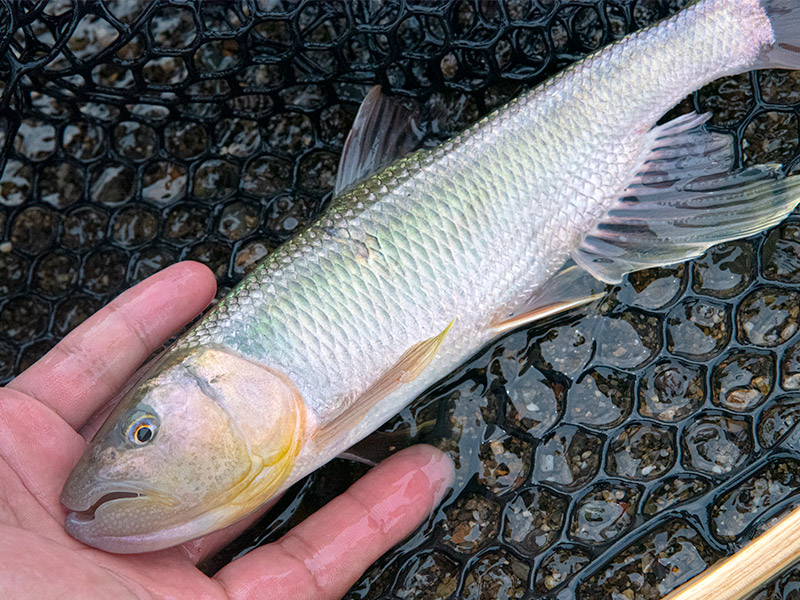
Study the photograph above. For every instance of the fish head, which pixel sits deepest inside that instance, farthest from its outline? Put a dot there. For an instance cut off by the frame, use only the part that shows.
(204, 440)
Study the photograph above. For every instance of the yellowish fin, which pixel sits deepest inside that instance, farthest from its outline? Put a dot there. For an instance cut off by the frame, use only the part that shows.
(407, 368)
(570, 288)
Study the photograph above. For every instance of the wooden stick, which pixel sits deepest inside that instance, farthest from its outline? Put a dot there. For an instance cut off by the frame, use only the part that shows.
(738, 576)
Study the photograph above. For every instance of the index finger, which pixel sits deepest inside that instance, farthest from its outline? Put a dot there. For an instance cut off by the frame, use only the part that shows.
(323, 556)
(93, 362)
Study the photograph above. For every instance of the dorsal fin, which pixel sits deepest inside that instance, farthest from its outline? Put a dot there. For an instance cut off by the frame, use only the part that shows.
(684, 200)
(386, 128)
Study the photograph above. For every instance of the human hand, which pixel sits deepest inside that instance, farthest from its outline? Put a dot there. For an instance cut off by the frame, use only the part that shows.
(41, 412)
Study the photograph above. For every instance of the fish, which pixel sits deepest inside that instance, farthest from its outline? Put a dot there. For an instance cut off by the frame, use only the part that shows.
(424, 256)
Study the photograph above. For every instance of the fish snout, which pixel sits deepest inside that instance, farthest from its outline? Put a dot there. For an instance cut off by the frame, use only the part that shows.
(109, 515)
(86, 512)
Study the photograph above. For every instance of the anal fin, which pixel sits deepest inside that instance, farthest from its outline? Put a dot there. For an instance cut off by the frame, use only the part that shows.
(684, 200)
(570, 288)
(407, 368)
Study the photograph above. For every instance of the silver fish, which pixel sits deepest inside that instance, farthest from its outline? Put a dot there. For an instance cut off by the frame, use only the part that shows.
(417, 265)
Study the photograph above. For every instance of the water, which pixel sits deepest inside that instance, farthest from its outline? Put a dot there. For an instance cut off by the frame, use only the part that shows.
(610, 453)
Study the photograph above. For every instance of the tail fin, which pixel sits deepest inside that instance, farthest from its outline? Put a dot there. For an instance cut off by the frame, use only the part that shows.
(784, 16)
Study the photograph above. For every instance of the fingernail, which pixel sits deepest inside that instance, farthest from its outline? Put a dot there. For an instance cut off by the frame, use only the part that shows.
(441, 472)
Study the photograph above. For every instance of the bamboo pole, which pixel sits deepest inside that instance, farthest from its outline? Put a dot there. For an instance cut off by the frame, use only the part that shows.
(738, 576)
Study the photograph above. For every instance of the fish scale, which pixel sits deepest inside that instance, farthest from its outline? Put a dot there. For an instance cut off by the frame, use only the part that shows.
(530, 167)
(415, 267)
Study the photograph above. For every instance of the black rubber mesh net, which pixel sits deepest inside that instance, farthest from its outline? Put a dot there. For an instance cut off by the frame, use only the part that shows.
(611, 454)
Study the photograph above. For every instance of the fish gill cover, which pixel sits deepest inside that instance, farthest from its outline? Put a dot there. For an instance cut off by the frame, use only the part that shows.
(606, 455)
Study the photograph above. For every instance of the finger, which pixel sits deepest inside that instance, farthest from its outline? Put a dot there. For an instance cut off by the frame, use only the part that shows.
(201, 548)
(322, 557)
(89, 365)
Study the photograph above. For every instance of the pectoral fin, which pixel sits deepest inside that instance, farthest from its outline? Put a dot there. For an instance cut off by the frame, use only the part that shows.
(570, 288)
(378, 446)
(407, 368)
(357, 458)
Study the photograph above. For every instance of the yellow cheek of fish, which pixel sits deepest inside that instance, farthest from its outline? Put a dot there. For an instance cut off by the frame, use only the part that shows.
(267, 410)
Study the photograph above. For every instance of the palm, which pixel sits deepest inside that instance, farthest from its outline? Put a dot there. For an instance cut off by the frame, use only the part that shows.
(33, 543)
(41, 412)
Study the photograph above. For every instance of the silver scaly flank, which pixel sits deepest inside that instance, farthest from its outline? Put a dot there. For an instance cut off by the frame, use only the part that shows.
(412, 269)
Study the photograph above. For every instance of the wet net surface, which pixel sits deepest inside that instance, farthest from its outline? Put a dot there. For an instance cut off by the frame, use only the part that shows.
(612, 454)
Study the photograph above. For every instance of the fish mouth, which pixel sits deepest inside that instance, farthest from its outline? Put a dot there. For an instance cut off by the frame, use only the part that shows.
(88, 514)
(105, 531)
(94, 517)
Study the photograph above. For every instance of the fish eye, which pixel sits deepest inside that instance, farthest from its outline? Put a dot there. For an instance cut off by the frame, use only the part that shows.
(142, 430)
